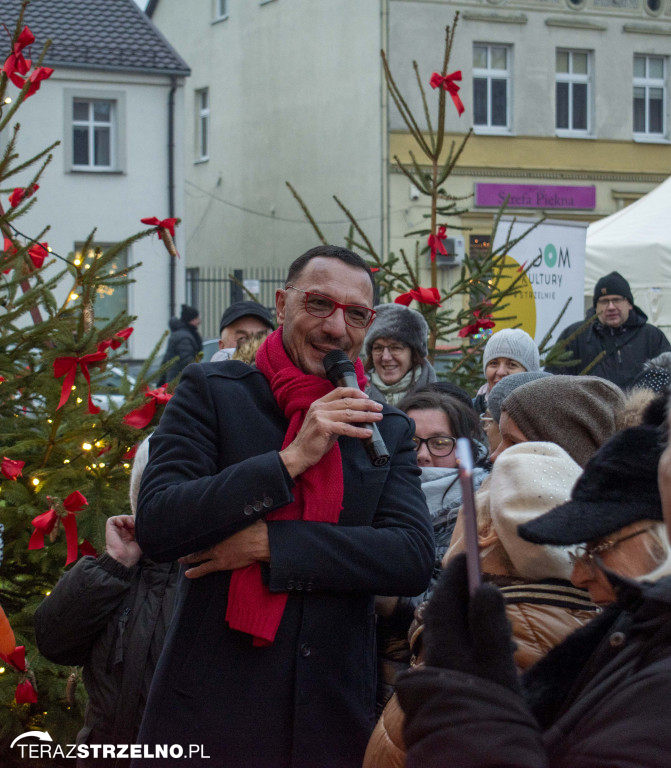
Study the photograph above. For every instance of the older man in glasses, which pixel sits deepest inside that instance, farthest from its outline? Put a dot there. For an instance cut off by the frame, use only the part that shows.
(259, 482)
(620, 333)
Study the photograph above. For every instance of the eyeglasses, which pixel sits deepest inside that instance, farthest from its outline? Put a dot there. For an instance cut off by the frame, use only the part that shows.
(394, 349)
(438, 446)
(318, 305)
(616, 301)
(585, 555)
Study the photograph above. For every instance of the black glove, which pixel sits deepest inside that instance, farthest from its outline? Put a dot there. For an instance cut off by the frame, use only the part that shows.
(469, 634)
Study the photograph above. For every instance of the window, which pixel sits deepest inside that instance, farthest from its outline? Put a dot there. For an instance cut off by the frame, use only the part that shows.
(491, 87)
(92, 134)
(573, 86)
(649, 96)
(203, 124)
(220, 9)
(113, 297)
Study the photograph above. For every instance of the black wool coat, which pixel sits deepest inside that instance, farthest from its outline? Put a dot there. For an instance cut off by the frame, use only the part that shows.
(307, 700)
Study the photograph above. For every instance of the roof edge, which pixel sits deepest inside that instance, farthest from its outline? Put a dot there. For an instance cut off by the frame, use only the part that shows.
(112, 68)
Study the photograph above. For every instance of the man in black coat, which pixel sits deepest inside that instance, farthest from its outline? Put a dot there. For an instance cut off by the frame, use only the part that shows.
(620, 330)
(227, 466)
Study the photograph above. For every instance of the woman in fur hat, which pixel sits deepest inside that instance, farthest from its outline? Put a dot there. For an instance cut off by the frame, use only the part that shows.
(396, 354)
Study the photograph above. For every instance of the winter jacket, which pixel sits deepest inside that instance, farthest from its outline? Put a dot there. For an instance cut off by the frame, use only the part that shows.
(626, 347)
(184, 343)
(598, 700)
(112, 620)
(542, 615)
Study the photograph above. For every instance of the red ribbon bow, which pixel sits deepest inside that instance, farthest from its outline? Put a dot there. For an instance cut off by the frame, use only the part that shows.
(422, 295)
(16, 62)
(21, 193)
(448, 84)
(142, 416)
(161, 224)
(483, 322)
(46, 522)
(116, 341)
(11, 468)
(25, 693)
(38, 253)
(67, 366)
(436, 242)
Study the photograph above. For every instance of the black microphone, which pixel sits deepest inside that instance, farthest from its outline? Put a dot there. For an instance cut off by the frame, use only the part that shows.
(340, 372)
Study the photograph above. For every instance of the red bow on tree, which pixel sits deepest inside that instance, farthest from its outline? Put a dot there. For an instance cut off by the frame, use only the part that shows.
(21, 193)
(161, 224)
(481, 323)
(46, 522)
(448, 84)
(11, 468)
(25, 693)
(87, 549)
(422, 295)
(436, 242)
(38, 253)
(16, 64)
(140, 417)
(116, 341)
(67, 366)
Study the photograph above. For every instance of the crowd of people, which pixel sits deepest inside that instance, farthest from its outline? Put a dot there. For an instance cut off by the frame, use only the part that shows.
(283, 601)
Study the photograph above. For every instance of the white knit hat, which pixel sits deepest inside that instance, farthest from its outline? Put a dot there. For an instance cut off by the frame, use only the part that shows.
(529, 479)
(515, 344)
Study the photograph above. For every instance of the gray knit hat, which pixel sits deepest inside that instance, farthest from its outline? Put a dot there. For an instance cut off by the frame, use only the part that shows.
(507, 384)
(578, 413)
(396, 321)
(515, 344)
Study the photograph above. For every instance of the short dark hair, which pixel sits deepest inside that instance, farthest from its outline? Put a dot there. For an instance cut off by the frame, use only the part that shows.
(329, 252)
(464, 421)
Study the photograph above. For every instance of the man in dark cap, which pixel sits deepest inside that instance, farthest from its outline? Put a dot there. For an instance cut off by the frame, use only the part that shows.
(620, 330)
(184, 343)
(241, 321)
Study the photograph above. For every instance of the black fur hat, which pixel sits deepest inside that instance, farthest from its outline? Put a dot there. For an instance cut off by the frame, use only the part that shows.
(617, 488)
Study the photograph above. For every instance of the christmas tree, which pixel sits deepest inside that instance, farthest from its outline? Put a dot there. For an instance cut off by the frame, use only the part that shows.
(478, 300)
(65, 461)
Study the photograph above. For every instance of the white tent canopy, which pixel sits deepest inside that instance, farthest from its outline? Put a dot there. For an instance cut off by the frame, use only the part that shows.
(636, 242)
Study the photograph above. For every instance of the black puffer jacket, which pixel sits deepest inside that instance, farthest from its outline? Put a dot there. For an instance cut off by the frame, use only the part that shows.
(113, 620)
(184, 343)
(599, 699)
(626, 347)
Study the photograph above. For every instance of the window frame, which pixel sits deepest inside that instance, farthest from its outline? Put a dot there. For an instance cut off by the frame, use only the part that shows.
(571, 79)
(202, 124)
(117, 129)
(488, 74)
(219, 10)
(648, 83)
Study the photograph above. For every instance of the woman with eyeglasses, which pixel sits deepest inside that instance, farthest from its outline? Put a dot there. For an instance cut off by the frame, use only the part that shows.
(396, 354)
(615, 513)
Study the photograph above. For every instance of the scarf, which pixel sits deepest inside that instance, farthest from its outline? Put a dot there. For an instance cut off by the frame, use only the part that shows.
(415, 378)
(318, 492)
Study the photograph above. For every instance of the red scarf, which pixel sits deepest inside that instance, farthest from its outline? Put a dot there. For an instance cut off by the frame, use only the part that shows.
(318, 491)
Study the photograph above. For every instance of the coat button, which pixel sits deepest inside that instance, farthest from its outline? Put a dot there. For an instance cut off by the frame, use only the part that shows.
(299, 586)
(617, 639)
(305, 650)
(290, 584)
(248, 510)
(267, 502)
(258, 506)
(309, 586)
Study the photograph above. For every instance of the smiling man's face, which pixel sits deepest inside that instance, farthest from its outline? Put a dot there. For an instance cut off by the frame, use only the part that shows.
(307, 338)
